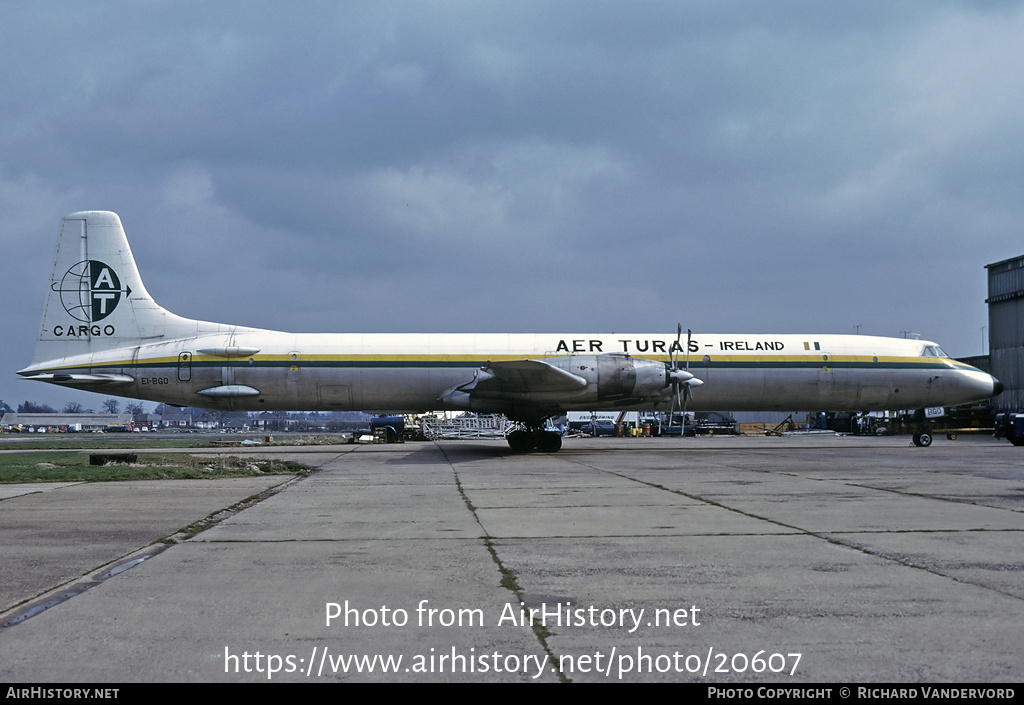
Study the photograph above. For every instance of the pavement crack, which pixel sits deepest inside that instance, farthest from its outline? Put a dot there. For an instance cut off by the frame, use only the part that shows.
(509, 579)
(832, 539)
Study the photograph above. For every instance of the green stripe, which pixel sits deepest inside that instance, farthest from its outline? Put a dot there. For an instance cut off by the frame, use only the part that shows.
(475, 364)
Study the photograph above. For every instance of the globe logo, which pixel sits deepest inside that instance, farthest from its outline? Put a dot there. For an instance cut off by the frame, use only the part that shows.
(90, 291)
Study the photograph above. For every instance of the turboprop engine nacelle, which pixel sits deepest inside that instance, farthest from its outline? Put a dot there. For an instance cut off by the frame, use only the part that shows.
(617, 375)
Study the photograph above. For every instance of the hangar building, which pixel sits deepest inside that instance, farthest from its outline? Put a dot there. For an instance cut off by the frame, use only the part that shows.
(1006, 330)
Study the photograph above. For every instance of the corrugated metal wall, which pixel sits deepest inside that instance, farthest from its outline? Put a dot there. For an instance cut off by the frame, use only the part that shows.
(1006, 330)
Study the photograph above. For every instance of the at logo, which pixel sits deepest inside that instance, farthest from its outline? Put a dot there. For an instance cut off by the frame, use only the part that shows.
(90, 291)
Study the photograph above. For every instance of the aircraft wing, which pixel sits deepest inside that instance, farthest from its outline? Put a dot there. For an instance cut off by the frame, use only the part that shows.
(526, 376)
(513, 379)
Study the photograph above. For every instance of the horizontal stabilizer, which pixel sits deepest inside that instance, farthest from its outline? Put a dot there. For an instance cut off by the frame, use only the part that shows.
(81, 378)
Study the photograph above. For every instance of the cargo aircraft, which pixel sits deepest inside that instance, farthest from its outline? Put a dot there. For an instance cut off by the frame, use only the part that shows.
(103, 332)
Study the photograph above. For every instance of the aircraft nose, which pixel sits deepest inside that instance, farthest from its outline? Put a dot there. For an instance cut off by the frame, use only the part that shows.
(997, 387)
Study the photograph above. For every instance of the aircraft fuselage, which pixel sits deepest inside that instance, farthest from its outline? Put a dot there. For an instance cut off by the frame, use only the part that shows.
(410, 372)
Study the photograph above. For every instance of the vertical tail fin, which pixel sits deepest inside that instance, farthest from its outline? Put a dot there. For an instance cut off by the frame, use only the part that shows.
(96, 299)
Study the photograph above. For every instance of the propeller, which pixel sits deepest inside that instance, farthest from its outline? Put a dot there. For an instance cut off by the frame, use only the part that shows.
(681, 380)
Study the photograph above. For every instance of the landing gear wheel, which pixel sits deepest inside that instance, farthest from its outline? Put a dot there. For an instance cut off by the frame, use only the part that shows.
(548, 442)
(922, 439)
(951, 436)
(521, 441)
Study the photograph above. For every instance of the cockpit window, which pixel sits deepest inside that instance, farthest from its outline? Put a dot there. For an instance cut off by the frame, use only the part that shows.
(933, 351)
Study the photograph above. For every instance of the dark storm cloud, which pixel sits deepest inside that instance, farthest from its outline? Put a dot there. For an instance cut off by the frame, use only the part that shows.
(522, 166)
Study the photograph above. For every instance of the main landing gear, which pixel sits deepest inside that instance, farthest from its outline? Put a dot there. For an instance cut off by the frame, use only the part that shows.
(538, 439)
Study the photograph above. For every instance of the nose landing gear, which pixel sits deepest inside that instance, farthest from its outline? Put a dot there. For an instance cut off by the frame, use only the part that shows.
(922, 439)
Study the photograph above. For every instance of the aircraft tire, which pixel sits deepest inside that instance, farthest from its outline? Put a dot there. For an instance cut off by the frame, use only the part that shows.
(922, 439)
(548, 442)
(521, 441)
(951, 436)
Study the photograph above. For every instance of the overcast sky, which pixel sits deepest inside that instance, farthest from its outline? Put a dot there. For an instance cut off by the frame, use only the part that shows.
(743, 166)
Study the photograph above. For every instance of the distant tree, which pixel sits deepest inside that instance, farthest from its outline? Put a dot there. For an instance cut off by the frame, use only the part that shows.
(134, 408)
(111, 406)
(73, 407)
(30, 408)
(5, 407)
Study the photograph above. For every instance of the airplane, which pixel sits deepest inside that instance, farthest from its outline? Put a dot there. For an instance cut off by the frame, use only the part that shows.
(102, 332)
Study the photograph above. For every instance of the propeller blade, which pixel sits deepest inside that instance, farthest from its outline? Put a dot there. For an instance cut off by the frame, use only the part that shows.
(679, 376)
(681, 380)
(675, 348)
(672, 407)
(682, 421)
